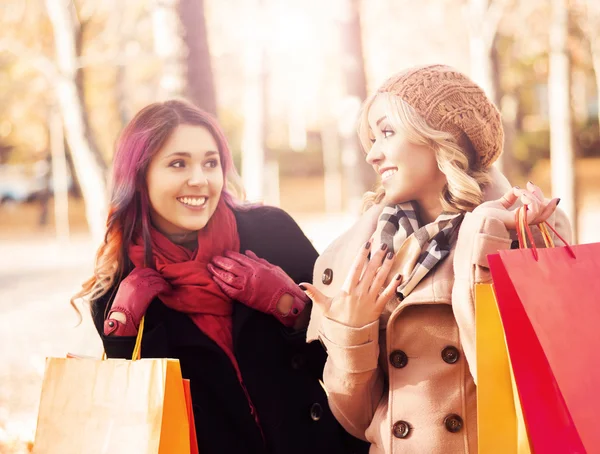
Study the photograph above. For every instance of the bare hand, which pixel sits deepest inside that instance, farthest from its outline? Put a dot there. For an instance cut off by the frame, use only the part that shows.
(538, 208)
(359, 302)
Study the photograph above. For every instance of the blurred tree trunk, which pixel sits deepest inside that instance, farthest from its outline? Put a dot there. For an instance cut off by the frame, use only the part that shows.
(358, 175)
(200, 82)
(170, 47)
(60, 183)
(508, 104)
(596, 64)
(333, 181)
(254, 107)
(592, 28)
(89, 166)
(121, 94)
(483, 17)
(559, 97)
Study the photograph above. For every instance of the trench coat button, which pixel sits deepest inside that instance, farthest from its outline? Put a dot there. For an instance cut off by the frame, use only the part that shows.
(398, 359)
(450, 355)
(316, 411)
(298, 361)
(453, 423)
(327, 276)
(401, 429)
(111, 324)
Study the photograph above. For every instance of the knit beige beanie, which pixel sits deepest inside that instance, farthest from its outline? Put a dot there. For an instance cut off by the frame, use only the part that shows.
(451, 102)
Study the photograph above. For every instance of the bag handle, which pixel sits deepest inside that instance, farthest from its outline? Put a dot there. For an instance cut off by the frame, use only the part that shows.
(524, 233)
(137, 349)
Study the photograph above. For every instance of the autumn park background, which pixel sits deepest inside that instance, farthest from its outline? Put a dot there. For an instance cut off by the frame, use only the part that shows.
(285, 79)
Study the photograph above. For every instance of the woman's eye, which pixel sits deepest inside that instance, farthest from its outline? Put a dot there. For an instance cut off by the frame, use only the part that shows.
(387, 133)
(213, 163)
(177, 164)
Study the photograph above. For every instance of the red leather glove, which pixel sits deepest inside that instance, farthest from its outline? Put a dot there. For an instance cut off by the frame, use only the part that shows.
(133, 297)
(258, 284)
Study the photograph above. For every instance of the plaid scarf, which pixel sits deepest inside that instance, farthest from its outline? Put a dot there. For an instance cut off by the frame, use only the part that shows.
(418, 248)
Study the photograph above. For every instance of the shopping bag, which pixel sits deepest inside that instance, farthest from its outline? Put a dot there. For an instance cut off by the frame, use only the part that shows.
(190, 414)
(113, 406)
(500, 424)
(548, 304)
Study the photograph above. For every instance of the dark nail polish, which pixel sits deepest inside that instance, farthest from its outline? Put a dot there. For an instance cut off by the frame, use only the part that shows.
(399, 277)
(368, 245)
(390, 255)
(384, 247)
(557, 202)
(302, 287)
(530, 183)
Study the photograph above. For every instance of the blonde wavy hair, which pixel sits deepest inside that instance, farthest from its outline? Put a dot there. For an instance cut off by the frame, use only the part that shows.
(465, 179)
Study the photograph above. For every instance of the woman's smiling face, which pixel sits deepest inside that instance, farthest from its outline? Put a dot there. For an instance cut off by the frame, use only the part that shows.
(185, 180)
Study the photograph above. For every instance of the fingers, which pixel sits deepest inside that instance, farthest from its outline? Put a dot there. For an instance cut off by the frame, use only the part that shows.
(544, 209)
(357, 268)
(374, 280)
(253, 256)
(320, 300)
(547, 211)
(225, 287)
(529, 196)
(388, 292)
(536, 191)
(530, 200)
(225, 276)
(509, 199)
(228, 264)
(240, 258)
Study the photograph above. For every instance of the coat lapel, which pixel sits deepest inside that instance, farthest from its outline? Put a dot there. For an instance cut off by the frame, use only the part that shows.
(337, 259)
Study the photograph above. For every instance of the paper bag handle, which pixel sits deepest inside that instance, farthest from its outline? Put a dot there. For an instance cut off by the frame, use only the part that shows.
(137, 349)
(524, 233)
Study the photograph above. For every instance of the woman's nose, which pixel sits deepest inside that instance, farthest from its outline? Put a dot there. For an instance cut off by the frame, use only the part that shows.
(197, 177)
(374, 155)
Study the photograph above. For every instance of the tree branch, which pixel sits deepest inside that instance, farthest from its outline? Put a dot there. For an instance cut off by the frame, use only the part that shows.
(36, 60)
(492, 19)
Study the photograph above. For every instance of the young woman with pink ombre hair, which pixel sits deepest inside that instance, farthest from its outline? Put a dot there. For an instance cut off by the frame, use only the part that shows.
(215, 281)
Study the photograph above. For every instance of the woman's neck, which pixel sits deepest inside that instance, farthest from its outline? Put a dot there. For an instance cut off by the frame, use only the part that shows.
(428, 209)
(188, 240)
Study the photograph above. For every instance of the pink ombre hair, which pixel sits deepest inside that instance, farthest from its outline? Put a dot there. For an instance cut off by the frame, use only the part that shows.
(129, 207)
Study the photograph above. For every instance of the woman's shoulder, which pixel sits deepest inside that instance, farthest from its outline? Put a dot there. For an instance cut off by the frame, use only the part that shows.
(252, 213)
(274, 235)
(267, 222)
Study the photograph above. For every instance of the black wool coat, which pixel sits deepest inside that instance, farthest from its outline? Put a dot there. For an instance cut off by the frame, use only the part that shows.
(280, 370)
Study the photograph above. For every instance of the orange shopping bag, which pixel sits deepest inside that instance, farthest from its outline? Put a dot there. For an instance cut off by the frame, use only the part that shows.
(113, 406)
(500, 424)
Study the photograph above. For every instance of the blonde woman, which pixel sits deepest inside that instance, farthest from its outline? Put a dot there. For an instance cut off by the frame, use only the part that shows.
(397, 319)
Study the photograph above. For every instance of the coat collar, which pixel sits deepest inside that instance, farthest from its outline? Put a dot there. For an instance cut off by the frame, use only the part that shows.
(332, 267)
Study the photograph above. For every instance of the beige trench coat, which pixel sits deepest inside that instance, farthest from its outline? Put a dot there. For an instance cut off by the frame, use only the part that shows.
(407, 382)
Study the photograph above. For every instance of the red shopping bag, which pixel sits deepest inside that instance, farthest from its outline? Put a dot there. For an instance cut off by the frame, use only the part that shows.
(190, 412)
(548, 303)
